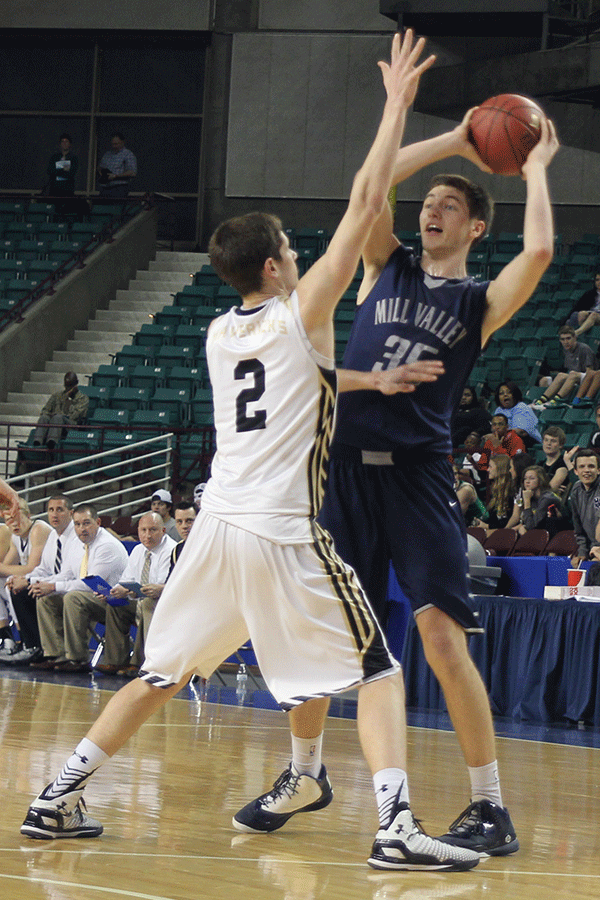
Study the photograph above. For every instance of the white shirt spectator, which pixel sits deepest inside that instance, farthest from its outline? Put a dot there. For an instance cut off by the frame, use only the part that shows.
(71, 553)
(107, 557)
(160, 561)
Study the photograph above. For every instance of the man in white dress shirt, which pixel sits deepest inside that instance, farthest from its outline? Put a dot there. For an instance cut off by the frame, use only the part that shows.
(60, 546)
(66, 605)
(148, 566)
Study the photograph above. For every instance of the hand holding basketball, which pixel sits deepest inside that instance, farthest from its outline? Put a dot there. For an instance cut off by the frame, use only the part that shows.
(504, 130)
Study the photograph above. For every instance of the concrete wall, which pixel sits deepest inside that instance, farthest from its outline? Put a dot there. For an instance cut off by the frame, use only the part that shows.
(153, 15)
(51, 322)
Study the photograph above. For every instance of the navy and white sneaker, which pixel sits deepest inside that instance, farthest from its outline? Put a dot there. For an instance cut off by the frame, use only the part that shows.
(485, 828)
(292, 793)
(21, 656)
(404, 846)
(60, 817)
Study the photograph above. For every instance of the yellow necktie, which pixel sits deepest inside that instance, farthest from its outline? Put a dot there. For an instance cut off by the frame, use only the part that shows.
(83, 570)
(146, 569)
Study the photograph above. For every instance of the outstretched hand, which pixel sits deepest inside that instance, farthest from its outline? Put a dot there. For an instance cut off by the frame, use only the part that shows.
(9, 500)
(465, 148)
(404, 379)
(545, 148)
(401, 75)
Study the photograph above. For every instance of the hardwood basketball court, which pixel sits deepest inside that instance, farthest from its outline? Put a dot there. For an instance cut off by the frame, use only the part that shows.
(166, 802)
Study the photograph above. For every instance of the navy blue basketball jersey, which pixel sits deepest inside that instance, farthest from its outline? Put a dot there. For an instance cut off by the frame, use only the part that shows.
(409, 316)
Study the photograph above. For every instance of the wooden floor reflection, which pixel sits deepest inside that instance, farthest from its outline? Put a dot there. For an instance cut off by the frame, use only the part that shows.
(167, 799)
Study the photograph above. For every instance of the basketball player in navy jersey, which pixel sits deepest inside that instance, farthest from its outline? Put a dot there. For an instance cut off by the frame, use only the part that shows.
(255, 543)
(390, 495)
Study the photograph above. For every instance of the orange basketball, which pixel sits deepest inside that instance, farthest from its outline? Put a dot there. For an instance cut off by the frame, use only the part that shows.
(504, 129)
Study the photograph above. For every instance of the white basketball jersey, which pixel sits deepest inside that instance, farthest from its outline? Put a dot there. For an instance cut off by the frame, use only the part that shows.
(22, 544)
(274, 399)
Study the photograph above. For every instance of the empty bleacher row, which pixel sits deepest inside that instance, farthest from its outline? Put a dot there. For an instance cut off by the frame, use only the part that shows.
(37, 243)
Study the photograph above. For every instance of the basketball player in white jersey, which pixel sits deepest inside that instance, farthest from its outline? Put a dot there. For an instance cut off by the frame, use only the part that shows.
(255, 546)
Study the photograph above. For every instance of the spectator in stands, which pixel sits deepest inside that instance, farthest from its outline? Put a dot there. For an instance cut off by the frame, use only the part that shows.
(588, 388)
(7, 641)
(27, 539)
(586, 312)
(594, 440)
(473, 448)
(60, 545)
(501, 441)
(67, 606)
(541, 506)
(148, 566)
(62, 169)
(553, 445)
(579, 360)
(502, 494)
(469, 416)
(584, 501)
(162, 503)
(117, 167)
(67, 407)
(517, 466)
(521, 418)
(471, 506)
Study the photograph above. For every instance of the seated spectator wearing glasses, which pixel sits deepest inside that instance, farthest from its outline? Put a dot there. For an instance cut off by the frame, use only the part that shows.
(148, 565)
(501, 442)
(541, 506)
(521, 418)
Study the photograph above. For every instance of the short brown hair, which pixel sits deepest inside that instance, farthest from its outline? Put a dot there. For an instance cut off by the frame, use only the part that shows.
(240, 247)
(566, 329)
(479, 201)
(557, 432)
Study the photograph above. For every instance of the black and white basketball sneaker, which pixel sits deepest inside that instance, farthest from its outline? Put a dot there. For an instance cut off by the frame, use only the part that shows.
(485, 828)
(292, 793)
(60, 817)
(404, 846)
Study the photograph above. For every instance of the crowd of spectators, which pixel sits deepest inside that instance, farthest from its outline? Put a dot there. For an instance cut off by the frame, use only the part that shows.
(524, 473)
(61, 577)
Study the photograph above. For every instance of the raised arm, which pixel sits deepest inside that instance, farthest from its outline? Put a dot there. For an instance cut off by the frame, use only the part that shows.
(321, 287)
(517, 281)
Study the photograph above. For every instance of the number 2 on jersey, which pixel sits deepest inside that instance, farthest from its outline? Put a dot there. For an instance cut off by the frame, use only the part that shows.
(258, 419)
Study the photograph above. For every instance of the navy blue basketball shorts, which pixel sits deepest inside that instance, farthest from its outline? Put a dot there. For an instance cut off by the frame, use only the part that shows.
(402, 509)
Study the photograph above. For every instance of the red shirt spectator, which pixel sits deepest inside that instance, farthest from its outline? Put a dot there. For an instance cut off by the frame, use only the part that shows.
(500, 441)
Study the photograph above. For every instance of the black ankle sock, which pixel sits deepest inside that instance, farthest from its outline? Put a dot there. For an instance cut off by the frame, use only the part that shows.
(6, 632)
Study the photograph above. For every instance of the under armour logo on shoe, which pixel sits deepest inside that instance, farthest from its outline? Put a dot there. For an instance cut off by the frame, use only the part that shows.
(62, 805)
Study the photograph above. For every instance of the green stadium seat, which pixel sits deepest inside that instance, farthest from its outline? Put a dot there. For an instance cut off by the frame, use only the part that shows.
(201, 407)
(104, 416)
(27, 250)
(130, 398)
(99, 396)
(173, 400)
(182, 378)
(155, 418)
(64, 250)
(170, 356)
(84, 231)
(39, 212)
(53, 231)
(174, 316)
(21, 286)
(189, 336)
(110, 376)
(150, 377)
(78, 444)
(508, 242)
(153, 335)
(42, 267)
(12, 268)
(135, 355)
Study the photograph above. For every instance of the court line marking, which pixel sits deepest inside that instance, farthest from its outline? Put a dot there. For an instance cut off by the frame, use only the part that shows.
(264, 858)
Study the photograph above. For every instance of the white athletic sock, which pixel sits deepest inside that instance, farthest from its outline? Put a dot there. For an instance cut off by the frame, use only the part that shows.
(388, 783)
(485, 783)
(306, 755)
(86, 758)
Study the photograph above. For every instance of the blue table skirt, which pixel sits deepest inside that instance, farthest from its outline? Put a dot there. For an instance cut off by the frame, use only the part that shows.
(538, 659)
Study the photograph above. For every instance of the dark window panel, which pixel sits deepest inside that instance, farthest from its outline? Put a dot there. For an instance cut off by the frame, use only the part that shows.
(167, 151)
(152, 79)
(46, 77)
